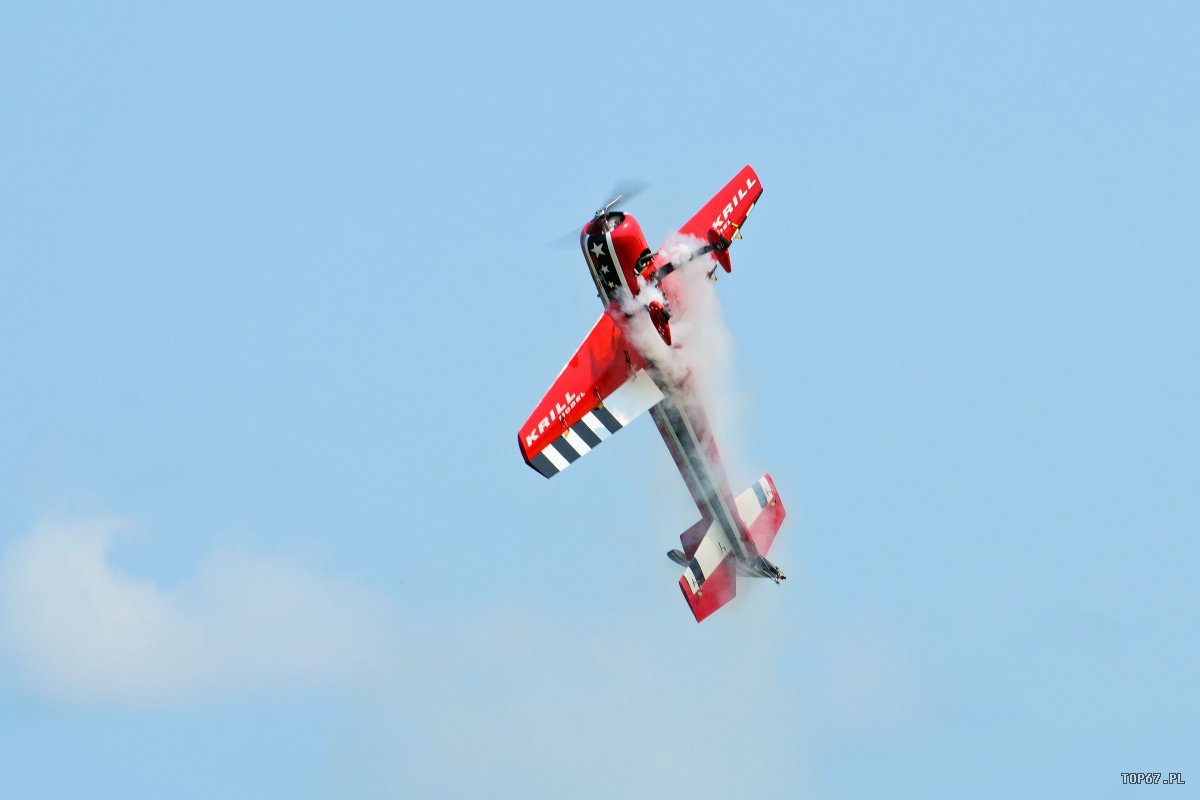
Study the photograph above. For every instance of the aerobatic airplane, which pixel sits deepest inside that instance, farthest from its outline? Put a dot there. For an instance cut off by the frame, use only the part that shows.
(626, 366)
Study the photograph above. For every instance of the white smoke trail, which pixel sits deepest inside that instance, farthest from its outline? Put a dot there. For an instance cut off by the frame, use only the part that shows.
(700, 358)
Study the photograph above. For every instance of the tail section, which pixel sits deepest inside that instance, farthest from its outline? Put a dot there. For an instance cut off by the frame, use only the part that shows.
(710, 563)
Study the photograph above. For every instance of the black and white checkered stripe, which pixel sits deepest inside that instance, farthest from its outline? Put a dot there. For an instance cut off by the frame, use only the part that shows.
(576, 441)
(624, 405)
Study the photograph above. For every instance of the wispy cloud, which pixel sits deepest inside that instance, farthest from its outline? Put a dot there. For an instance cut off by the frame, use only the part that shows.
(83, 630)
(507, 698)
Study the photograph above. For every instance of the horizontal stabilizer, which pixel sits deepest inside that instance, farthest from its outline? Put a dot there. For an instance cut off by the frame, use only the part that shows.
(761, 508)
(719, 587)
(709, 579)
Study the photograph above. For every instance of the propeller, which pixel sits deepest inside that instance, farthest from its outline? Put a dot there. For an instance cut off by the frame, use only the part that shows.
(620, 194)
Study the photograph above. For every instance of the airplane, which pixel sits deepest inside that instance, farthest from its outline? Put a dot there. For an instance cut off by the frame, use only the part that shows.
(628, 365)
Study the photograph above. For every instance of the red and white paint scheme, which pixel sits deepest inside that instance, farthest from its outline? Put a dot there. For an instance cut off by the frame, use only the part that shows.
(611, 380)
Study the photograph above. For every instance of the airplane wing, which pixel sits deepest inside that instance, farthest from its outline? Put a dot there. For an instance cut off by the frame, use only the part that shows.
(723, 215)
(602, 388)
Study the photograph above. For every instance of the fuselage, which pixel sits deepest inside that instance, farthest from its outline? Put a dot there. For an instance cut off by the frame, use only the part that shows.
(685, 429)
(620, 260)
(615, 250)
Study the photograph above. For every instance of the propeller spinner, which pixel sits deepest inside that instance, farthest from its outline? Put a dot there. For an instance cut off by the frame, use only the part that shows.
(622, 192)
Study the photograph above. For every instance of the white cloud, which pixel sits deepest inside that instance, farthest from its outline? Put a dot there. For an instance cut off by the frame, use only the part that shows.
(84, 631)
(508, 698)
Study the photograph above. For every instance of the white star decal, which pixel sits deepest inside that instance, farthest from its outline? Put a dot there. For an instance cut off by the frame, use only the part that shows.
(597, 249)
(604, 268)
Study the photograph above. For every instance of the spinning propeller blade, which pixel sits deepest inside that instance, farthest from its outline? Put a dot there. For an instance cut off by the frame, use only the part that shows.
(620, 194)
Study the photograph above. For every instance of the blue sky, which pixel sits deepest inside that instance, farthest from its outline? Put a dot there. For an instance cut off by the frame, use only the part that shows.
(279, 287)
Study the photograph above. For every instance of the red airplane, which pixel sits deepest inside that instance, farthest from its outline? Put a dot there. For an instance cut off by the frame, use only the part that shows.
(627, 365)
